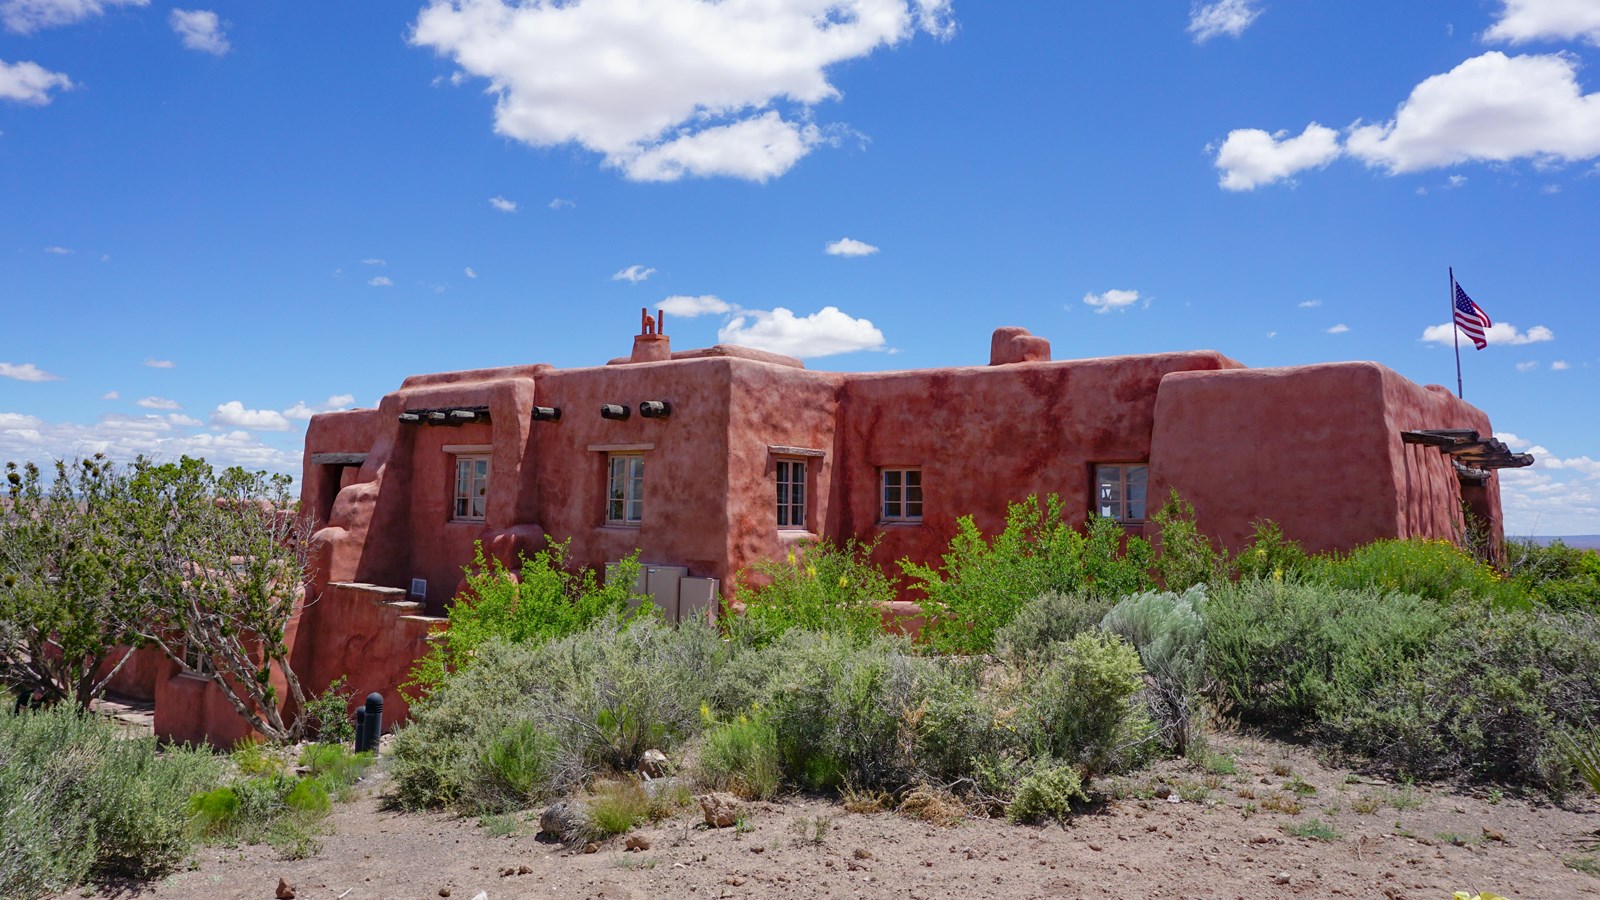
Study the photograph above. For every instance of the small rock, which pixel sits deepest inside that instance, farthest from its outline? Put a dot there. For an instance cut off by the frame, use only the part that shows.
(637, 842)
(1493, 835)
(758, 849)
(591, 847)
(1263, 839)
(1163, 791)
(562, 820)
(444, 892)
(1095, 847)
(1281, 878)
(653, 764)
(862, 853)
(722, 810)
(524, 870)
(734, 880)
(285, 890)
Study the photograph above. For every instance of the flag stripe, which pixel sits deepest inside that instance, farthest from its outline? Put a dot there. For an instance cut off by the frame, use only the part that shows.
(1471, 319)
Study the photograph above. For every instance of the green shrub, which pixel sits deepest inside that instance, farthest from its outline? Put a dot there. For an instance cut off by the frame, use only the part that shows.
(616, 806)
(819, 587)
(983, 584)
(1555, 575)
(518, 766)
(741, 756)
(335, 766)
(1271, 555)
(1187, 556)
(1048, 619)
(252, 758)
(79, 800)
(1084, 704)
(543, 601)
(308, 797)
(214, 811)
(1047, 791)
(328, 716)
(1435, 569)
(1168, 630)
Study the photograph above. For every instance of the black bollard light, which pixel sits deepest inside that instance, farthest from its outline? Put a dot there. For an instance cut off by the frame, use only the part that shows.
(361, 728)
(374, 721)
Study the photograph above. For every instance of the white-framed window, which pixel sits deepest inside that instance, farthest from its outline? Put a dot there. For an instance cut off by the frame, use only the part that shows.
(1119, 491)
(900, 494)
(625, 489)
(472, 488)
(791, 478)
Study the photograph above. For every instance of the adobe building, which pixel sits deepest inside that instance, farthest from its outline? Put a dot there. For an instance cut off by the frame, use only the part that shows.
(708, 460)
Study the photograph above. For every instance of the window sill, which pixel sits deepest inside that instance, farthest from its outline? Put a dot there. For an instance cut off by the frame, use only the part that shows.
(796, 536)
(466, 522)
(899, 523)
(621, 526)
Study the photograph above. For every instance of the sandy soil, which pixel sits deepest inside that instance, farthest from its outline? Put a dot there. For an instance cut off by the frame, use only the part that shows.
(1222, 838)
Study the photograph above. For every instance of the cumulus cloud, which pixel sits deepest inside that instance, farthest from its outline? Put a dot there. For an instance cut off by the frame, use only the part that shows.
(1503, 333)
(849, 247)
(1560, 365)
(560, 203)
(1340, 328)
(380, 281)
(58, 251)
(1490, 108)
(159, 403)
(233, 415)
(1251, 157)
(1112, 300)
(502, 204)
(1535, 20)
(301, 411)
(30, 83)
(26, 372)
(685, 307)
(633, 274)
(823, 333)
(1222, 17)
(469, 272)
(159, 363)
(111, 395)
(1528, 366)
(200, 29)
(28, 16)
(670, 88)
(1309, 304)
(124, 437)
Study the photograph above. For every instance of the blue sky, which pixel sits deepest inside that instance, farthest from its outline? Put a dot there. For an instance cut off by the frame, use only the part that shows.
(217, 219)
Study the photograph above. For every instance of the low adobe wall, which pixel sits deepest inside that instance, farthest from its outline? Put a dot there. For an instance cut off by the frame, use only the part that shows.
(372, 635)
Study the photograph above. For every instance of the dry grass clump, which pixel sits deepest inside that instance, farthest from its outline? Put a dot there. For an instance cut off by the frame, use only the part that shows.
(934, 805)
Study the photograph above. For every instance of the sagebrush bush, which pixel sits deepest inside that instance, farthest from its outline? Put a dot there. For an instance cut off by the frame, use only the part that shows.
(1084, 705)
(605, 694)
(741, 757)
(1049, 618)
(545, 599)
(1047, 790)
(1168, 631)
(982, 584)
(818, 586)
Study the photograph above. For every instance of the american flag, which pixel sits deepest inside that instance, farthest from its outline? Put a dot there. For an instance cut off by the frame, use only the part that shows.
(1471, 319)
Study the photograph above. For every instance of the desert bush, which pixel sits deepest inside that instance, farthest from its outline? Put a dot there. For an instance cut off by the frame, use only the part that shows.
(605, 695)
(1555, 575)
(1047, 619)
(1271, 554)
(1187, 556)
(1083, 705)
(1434, 569)
(78, 800)
(544, 600)
(982, 584)
(616, 806)
(1047, 790)
(515, 768)
(327, 715)
(820, 587)
(741, 757)
(1168, 630)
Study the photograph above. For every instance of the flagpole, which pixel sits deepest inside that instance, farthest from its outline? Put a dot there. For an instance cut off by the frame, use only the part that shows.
(1454, 331)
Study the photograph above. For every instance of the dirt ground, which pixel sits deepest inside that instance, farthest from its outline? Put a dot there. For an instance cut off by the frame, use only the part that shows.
(1177, 831)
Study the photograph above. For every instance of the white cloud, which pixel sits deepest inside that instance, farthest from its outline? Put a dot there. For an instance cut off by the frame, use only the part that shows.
(181, 419)
(849, 247)
(1550, 189)
(1309, 304)
(502, 204)
(124, 437)
(633, 274)
(111, 395)
(1112, 300)
(1340, 328)
(559, 203)
(1490, 108)
(469, 272)
(57, 251)
(1512, 441)
(685, 307)
(201, 30)
(25, 372)
(1456, 181)
(1528, 366)
(30, 83)
(28, 16)
(159, 363)
(1503, 333)
(1560, 365)
(823, 333)
(1251, 157)
(380, 281)
(1272, 334)
(233, 415)
(159, 403)
(1553, 496)
(1222, 17)
(1533, 20)
(673, 87)
(374, 261)
(301, 411)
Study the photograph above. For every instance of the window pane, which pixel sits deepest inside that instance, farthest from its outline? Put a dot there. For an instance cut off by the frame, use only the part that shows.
(891, 478)
(914, 478)
(914, 494)
(914, 509)
(1138, 476)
